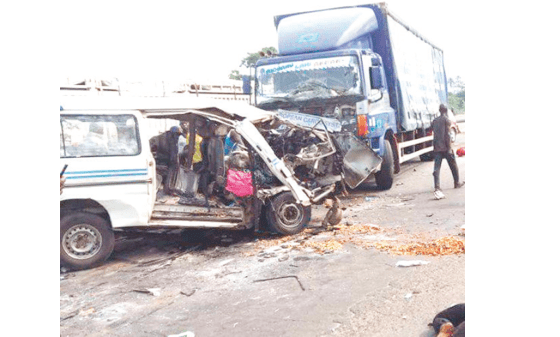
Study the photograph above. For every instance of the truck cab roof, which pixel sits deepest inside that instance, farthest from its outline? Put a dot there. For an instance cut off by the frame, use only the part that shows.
(323, 30)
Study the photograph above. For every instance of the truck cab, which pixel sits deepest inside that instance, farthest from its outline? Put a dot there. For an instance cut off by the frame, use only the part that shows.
(364, 67)
(335, 84)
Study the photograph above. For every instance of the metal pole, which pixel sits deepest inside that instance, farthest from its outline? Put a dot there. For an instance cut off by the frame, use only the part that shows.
(250, 87)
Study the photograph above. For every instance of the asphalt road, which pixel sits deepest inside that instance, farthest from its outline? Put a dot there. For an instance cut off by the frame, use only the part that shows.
(319, 283)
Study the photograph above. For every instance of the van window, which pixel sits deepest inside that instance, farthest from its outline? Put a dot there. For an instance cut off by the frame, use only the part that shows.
(98, 136)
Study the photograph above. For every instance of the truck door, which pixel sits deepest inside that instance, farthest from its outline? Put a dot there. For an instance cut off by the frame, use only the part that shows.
(380, 117)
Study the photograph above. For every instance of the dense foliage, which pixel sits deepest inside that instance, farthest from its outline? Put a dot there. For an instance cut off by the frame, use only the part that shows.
(456, 94)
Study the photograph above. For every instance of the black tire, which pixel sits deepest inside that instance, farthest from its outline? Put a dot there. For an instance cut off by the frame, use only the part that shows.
(427, 156)
(285, 216)
(86, 240)
(384, 178)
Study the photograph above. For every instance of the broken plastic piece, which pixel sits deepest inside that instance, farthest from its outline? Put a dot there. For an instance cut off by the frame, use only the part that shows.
(411, 263)
(183, 334)
(153, 291)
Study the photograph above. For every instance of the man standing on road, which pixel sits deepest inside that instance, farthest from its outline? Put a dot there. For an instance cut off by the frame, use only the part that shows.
(442, 149)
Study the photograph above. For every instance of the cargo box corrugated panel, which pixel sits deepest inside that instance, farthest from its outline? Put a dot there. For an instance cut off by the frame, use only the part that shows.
(421, 76)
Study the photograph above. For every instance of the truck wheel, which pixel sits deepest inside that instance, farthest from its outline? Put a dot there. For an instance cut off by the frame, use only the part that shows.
(384, 178)
(285, 216)
(86, 240)
(427, 156)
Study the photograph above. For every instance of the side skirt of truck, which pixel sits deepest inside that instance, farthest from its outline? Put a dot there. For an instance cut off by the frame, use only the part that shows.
(411, 145)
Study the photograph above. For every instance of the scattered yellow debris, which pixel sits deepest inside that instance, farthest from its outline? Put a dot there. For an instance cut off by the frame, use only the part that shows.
(443, 246)
(322, 246)
(333, 240)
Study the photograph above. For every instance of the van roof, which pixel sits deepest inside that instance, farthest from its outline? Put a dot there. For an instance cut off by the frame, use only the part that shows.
(166, 106)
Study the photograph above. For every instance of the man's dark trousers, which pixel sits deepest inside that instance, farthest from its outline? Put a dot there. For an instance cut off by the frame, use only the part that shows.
(450, 157)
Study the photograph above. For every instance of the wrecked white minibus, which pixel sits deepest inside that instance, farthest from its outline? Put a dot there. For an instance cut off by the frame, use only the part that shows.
(113, 180)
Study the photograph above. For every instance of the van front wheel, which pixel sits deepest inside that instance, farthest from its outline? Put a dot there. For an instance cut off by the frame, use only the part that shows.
(285, 216)
(86, 240)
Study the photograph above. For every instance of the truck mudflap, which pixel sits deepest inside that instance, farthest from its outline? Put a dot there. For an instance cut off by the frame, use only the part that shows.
(360, 161)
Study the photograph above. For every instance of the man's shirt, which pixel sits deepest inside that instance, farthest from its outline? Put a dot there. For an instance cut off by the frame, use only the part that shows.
(441, 127)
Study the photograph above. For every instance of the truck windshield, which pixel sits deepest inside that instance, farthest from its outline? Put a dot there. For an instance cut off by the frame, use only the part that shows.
(310, 79)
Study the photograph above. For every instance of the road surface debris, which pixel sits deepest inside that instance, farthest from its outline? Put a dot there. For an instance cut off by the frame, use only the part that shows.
(443, 246)
(365, 236)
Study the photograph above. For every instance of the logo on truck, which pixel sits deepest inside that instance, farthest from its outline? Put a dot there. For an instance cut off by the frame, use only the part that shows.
(308, 38)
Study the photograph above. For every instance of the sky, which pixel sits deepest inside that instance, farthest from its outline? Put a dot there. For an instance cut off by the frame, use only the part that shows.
(171, 40)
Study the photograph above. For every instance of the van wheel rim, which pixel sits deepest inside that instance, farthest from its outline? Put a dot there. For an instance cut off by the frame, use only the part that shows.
(290, 215)
(82, 241)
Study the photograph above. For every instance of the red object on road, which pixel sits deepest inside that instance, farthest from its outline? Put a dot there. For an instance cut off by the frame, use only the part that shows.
(461, 151)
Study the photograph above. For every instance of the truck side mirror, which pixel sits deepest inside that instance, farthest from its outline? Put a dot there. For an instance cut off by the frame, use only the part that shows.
(375, 77)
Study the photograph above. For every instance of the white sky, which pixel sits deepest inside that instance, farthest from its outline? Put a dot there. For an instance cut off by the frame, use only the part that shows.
(205, 41)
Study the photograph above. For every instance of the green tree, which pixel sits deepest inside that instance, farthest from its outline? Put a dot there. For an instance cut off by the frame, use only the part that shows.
(235, 75)
(456, 83)
(457, 102)
(456, 94)
(251, 59)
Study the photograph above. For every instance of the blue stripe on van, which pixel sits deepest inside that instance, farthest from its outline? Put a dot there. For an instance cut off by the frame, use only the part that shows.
(105, 173)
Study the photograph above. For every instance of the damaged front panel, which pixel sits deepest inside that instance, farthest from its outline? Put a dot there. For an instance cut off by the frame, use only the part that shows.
(278, 167)
(360, 161)
(321, 157)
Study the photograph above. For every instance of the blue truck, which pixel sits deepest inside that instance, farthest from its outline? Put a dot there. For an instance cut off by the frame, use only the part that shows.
(364, 67)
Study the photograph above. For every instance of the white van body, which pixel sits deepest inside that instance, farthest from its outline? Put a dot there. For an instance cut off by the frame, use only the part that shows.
(112, 175)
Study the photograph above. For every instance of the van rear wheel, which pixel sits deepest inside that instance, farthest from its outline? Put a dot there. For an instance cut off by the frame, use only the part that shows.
(86, 240)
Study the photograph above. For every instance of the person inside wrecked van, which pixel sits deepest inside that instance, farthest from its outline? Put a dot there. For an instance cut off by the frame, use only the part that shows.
(164, 147)
(170, 152)
(183, 149)
(209, 169)
(231, 142)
